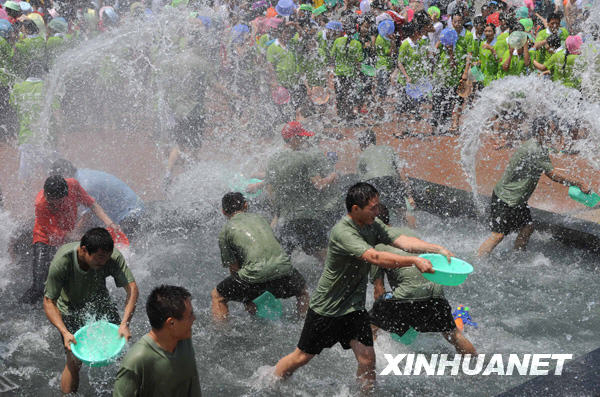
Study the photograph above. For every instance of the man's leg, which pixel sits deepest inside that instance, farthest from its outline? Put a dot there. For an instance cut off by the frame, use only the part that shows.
(290, 363)
(365, 356)
(69, 381)
(488, 245)
(42, 256)
(460, 342)
(523, 237)
(220, 311)
(302, 301)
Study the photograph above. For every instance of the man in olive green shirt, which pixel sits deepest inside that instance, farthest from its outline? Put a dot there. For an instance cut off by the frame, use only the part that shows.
(414, 301)
(76, 288)
(300, 180)
(163, 362)
(256, 261)
(508, 209)
(380, 166)
(337, 307)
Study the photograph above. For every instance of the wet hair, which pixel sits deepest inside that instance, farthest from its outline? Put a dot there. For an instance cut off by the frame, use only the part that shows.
(555, 15)
(30, 27)
(96, 239)
(35, 69)
(360, 194)
(62, 167)
(166, 301)
(409, 29)
(233, 202)
(384, 214)
(367, 138)
(554, 41)
(421, 19)
(478, 20)
(55, 187)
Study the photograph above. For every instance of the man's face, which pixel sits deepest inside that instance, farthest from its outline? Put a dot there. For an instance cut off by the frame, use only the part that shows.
(553, 25)
(54, 204)
(457, 23)
(182, 328)
(489, 33)
(97, 260)
(366, 215)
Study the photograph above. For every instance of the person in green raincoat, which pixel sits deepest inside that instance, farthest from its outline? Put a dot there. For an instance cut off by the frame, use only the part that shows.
(347, 54)
(30, 49)
(488, 57)
(553, 28)
(562, 63)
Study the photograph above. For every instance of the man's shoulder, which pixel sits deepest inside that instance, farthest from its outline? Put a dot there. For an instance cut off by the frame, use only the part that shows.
(64, 256)
(140, 354)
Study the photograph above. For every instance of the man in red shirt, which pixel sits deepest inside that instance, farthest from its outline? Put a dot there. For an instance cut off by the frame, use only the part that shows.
(56, 217)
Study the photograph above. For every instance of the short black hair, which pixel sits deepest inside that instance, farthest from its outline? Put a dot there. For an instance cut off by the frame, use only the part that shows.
(367, 138)
(422, 19)
(96, 239)
(166, 301)
(384, 214)
(408, 29)
(30, 27)
(55, 187)
(478, 20)
(62, 167)
(360, 194)
(555, 15)
(233, 202)
(554, 41)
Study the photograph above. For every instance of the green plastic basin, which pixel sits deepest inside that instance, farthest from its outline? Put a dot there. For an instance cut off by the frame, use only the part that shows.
(407, 338)
(98, 344)
(268, 307)
(453, 273)
(586, 199)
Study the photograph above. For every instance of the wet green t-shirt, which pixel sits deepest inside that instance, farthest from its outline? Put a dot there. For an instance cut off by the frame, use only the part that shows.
(149, 371)
(383, 50)
(523, 172)
(378, 161)
(285, 62)
(517, 64)
(342, 287)
(347, 56)
(294, 196)
(407, 283)
(561, 71)
(74, 288)
(248, 240)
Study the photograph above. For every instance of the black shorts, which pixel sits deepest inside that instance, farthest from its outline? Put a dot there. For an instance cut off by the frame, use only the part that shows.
(233, 288)
(311, 235)
(397, 316)
(320, 332)
(505, 219)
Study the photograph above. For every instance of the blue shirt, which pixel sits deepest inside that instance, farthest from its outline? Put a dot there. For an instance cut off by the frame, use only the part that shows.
(112, 194)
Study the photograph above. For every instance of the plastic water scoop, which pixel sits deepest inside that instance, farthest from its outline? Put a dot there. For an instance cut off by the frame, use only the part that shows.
(586, 199)
(98, 343)
(268, 307)
(453, 273)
